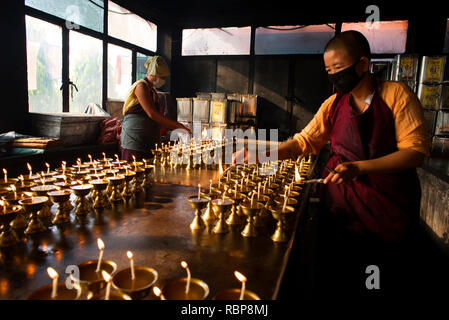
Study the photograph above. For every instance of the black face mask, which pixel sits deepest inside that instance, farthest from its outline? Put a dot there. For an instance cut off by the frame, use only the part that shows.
(346, 79)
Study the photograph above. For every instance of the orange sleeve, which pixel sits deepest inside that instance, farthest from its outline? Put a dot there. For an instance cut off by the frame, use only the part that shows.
(317, 132)
(408, 114)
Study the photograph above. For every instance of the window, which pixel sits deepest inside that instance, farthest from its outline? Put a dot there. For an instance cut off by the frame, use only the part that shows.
(88, 14)
(127, 26)
(216, 41)
(446, 39)
(44, 65)
(383, 36)
(86, 65)
(141, 70)
(293, 39)
(119, 72)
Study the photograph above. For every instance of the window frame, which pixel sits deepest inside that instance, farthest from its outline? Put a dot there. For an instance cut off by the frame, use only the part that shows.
(103, 36)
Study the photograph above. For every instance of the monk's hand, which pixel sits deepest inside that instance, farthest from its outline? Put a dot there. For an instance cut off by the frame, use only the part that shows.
(344, 172)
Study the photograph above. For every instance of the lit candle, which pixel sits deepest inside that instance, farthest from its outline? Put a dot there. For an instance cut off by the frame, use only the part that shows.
(13, 188)
(185, 266)
(22, 180)
(100, 244)
(199, 191)
(107, 277)
(134, 162)
(78, 162)
(252, 198)
(116, 157)
(158, 293)
(5, 175)
(90, 158)
(48, 167)
(240, 277)
(2, 203)
(285, 202)
(224, 192)
(104, 156)
(210, 186)
(258, 191)
(30, 169)
(129, 254)
(54, 276)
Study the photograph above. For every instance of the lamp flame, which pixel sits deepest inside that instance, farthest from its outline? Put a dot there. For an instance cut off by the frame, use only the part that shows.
(220, 170)
(240, 277)
(100, 244)
(184, 264)
(157, 292)
(106, 276)
(298, 178)
(129, 254)
(52, 273)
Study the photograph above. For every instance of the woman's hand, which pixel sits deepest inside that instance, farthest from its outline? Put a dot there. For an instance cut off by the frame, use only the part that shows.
(344, 172)
(183, 127)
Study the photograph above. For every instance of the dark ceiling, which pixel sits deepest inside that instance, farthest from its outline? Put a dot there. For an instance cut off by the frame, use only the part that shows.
(200, 13)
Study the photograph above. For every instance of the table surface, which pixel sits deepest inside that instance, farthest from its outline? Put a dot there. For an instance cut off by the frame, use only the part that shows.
(159, 236)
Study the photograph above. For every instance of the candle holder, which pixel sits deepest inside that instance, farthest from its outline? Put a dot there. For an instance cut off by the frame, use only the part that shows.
(261, 219)
(198, 205)
(60, 197)
(33, 205)
(234, 294)
(115, 181)
(41, 191)
(127, 193)
(25, 186)
(7, 215)
(234, 218)
(92, 281)
(66, 186)
(8, 182)
(221, 207)
(147, 176)
(280, 214)
(138, 288)
(209, 215)
(81, 191)
(176, 290)
(136, 181)
(64, 293)
(251, 211)
(101, 200)
(279, 200)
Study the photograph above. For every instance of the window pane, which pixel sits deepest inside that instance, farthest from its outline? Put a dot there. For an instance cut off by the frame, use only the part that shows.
(88, 14)
(383, 36)
(127, 26)
(216, 41)
(446, 39)
(293, 39)
(85, 61)
(119, 72)
(141, 71)
(44, 65)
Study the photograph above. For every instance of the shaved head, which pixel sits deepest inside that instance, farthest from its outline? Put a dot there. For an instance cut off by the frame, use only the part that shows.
(352, 42)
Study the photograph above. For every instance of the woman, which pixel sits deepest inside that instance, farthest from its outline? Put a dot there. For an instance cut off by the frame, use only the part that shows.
(142, 120)
(371, 198)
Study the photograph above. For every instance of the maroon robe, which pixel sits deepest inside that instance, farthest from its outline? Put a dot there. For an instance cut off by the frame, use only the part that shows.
(377, 205)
